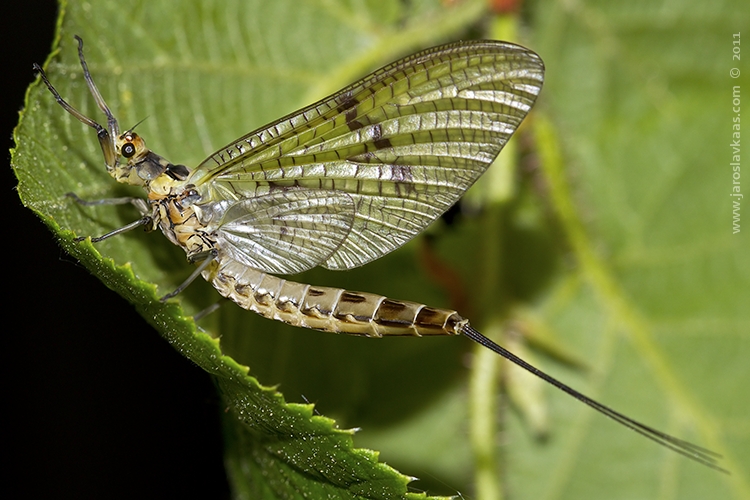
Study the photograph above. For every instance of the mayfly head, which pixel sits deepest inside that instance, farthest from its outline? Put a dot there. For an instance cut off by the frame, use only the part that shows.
(141, 165)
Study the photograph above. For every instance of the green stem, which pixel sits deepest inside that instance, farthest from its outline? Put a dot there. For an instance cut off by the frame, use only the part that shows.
(498, 187)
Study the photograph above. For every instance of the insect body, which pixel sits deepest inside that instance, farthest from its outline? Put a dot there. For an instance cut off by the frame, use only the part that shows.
(339, 184)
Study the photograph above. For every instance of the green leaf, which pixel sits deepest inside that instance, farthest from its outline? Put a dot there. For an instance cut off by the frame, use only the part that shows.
(626, 258)
(238, 73)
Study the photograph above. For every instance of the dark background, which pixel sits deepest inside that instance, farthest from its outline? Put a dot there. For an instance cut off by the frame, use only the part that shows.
(97, 404)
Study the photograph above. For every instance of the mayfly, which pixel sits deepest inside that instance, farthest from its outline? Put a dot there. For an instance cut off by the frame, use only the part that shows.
(338, 184)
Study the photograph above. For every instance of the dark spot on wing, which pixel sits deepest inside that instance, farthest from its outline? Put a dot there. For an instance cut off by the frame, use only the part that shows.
(377, 137)
(346, 102)
(402, 173)
(351, 120)
(383, 143)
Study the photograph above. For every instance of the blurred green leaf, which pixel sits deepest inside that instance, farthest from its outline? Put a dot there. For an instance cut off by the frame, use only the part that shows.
(640, 99)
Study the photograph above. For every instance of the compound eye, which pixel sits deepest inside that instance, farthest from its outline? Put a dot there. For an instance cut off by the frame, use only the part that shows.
(128, 149)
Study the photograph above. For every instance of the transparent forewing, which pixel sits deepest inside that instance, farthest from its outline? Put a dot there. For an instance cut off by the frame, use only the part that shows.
(404, 142)
(285, 231)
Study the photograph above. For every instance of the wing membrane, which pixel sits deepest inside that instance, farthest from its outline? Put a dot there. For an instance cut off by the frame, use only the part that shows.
(285, 231)
(404, 142)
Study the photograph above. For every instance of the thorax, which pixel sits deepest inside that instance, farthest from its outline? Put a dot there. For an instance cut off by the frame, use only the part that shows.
(176, 212)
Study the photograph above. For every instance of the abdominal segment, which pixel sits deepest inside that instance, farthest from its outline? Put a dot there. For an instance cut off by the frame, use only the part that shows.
(329, 309)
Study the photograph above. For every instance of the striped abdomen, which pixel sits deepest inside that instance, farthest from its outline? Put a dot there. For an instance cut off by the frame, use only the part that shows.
(328, 309)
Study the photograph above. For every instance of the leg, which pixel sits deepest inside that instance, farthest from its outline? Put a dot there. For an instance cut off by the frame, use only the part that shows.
(205, 312)
(143, 221)
(138, 203)
(209, 257)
